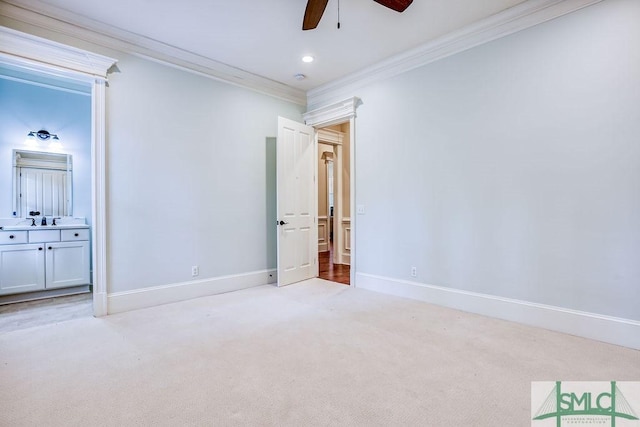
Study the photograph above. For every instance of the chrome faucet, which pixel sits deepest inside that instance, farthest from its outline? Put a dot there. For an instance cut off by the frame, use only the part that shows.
(54, 221)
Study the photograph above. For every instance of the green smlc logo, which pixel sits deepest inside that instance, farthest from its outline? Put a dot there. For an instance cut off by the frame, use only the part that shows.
(610, 403)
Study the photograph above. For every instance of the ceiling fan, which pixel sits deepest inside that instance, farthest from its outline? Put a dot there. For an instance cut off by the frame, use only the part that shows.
(315, 9)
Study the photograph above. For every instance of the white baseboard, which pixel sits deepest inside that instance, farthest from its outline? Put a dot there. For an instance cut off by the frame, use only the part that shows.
(149, 297)
(614, 330)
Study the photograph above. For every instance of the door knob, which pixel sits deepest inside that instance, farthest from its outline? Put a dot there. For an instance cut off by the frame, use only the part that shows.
(282, 223)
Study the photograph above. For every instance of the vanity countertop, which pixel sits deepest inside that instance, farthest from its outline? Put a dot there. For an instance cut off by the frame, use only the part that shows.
(16, 224)
(41, 227)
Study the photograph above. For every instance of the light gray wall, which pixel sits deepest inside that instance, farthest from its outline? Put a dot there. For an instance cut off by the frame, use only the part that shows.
(512, 169)
(187, 163)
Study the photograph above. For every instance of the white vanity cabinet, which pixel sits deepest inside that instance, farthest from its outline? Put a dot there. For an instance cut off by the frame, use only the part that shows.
(21, 268)
(43, 259)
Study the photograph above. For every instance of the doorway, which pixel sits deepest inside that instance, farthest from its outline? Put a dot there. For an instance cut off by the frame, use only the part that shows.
(338, 113)
(334, 222)
(343, 114)
(85, 71)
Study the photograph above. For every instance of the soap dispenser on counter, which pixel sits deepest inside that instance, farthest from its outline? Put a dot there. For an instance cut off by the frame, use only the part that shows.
(44, 220)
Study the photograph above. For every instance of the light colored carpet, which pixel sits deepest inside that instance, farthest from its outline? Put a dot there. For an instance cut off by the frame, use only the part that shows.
(311, 354)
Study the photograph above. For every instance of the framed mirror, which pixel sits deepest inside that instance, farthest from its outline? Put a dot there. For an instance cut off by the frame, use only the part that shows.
(42, 182)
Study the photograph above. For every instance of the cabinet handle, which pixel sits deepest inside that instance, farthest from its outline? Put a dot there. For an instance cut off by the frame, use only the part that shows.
(49, 248)
(39, 249)
(11, 236)
(76, 234)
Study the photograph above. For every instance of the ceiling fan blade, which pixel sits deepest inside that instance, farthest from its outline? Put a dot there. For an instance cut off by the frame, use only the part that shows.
(397, 5)
(313, 13)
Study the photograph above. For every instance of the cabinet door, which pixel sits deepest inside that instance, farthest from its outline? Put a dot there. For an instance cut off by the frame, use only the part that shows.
(21, 268)
(67, 264)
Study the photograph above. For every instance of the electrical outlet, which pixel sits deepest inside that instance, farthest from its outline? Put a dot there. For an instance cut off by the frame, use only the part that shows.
(360, 209)
(195, 270)
(414, 272)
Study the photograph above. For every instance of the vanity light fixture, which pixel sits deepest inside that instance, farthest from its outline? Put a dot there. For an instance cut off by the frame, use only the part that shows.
(43, 135)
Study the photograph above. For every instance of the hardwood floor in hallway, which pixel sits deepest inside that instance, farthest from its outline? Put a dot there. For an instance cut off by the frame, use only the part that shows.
(340, 273)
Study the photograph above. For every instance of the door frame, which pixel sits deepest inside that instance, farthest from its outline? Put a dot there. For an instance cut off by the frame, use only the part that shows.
(334, 114)
(57, 60)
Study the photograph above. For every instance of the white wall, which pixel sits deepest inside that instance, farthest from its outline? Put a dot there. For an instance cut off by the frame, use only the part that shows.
(512, 169)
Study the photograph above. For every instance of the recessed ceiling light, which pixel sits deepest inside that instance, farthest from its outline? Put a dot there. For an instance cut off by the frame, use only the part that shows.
(300, 76)
(307, 58)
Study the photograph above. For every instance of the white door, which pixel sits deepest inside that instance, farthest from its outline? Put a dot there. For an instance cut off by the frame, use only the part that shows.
(297, 202)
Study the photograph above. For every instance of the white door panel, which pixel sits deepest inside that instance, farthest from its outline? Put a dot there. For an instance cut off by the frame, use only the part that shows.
(297, 234)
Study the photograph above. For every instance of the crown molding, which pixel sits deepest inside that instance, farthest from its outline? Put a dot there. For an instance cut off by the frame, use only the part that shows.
(509, 21)
(29, 51)
(517, 18)
(39, 14)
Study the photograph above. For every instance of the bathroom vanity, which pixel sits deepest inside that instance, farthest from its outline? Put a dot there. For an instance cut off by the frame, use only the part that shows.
(43, 257)
(44, 249)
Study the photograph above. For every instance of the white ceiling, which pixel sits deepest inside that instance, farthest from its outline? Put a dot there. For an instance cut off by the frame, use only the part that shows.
(265, 37)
